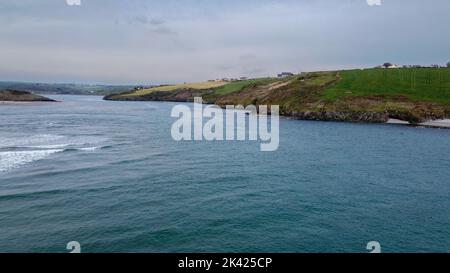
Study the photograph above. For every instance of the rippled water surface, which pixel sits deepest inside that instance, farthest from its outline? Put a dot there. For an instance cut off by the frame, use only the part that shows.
(109, 175)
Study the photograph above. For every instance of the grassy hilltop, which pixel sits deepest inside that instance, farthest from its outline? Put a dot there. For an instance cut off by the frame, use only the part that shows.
(421, 84)
(369, 95)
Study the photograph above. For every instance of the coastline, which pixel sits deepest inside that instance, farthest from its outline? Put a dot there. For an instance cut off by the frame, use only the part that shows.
(438, 123)
(341, 96)
(351, 117)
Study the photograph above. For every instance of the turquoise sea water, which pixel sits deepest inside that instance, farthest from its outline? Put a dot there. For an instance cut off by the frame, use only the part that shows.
(109, 175)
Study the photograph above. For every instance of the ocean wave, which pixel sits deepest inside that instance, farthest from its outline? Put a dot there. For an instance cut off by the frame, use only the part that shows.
(20, 150)
(87, 149)
(48, 141)
(14, 159)
(29, 141)
(48, 147)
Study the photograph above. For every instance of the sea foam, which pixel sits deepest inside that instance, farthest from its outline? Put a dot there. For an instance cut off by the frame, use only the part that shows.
(11, 160)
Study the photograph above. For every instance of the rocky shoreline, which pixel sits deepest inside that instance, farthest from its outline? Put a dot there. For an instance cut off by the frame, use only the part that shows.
(386, 117)
(366, 117)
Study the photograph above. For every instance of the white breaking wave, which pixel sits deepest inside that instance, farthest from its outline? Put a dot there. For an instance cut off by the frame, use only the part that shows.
(24, 149)
(11, 160)
(26, 141)
(48, 141)
(57, 146)
(89, 149)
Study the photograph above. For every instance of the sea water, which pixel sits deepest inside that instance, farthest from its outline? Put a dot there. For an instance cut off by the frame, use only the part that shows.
(109, 176)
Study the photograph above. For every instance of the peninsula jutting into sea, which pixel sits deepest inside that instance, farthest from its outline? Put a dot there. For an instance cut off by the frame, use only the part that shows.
(412, 94)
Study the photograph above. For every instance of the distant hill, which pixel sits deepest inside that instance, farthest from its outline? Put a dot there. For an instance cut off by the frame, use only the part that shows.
(369, 95)
(21, 96)
(69, 89)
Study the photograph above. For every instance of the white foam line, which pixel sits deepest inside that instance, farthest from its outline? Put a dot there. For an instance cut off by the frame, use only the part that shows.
(57, 146)
(89, 149)
(12, 160)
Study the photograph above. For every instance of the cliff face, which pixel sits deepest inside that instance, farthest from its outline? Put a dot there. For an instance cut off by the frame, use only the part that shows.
(21, 96)
(367, 117)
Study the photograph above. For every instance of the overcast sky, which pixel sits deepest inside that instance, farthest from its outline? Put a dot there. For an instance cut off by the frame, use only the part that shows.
(148, 42)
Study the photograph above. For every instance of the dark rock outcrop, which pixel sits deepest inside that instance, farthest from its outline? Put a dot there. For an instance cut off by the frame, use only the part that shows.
(366, 117)
(21, 96)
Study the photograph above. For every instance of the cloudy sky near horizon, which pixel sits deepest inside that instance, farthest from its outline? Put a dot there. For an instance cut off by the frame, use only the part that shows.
(170, 41)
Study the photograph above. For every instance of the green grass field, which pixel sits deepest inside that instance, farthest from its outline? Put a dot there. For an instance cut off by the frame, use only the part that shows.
(239, 85)
(422, 84)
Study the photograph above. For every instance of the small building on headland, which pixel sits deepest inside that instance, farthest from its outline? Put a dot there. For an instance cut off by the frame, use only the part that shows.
(285, 74)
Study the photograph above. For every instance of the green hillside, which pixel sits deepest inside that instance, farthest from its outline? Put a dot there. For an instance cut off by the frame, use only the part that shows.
(421, 84)
(370, 95)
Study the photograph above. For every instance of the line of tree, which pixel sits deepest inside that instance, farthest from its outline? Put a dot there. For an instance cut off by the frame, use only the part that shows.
(448, 64)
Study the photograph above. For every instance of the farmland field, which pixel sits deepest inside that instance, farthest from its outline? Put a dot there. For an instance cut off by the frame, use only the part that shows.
(199, 86)
(239, 85)
(421, 84)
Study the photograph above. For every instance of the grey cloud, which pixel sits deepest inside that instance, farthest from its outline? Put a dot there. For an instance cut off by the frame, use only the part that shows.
(151, 25)
(164, 30)
(224, 67)
(254, 71)
(247, 57)
(143, 20)
(156, 22)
